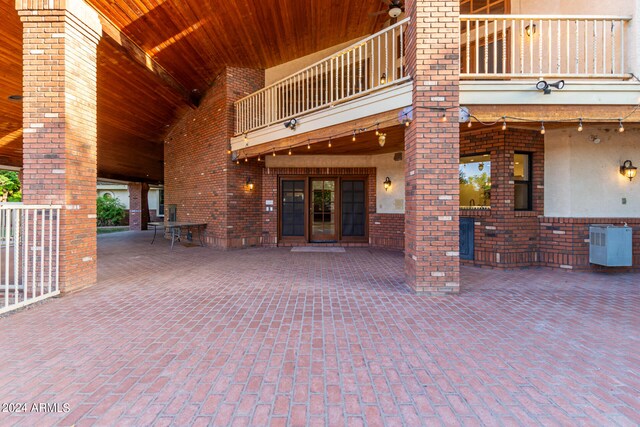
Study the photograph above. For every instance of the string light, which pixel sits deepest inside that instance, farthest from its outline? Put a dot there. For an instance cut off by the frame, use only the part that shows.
(308, 145)
(383, 78)
(406, 120)
(290, 153)
(237, 161)
(259, 159)
(246, 138)
(229, 150)
(246, 159)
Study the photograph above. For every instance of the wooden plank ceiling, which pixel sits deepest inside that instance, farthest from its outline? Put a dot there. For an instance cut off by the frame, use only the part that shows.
(191, 41)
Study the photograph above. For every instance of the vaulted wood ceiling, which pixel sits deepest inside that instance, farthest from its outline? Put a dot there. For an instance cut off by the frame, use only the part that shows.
(191, 41)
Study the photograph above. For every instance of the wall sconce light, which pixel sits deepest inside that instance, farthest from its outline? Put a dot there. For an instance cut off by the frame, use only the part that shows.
(387, 184)
(546, 87)
(291, 124)
(249, 183)
(530, 30)
(628, 170)
(382, 138)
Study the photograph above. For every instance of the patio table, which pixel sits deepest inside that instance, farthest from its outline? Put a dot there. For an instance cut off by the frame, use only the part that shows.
(175, 228)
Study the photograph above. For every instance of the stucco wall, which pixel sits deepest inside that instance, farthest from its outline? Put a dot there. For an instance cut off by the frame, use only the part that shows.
(273, 74)
(388, 202)
(582, 178)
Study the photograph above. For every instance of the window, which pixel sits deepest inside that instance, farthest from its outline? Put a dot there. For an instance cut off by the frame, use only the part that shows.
(161, 202)
(293, 208)
(522, 182)
(475, 181)
(353, 208)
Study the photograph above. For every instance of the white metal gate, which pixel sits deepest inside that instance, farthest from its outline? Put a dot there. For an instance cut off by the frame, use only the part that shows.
(29, 254)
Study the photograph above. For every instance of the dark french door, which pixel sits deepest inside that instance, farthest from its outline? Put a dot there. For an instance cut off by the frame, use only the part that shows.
(319, 209)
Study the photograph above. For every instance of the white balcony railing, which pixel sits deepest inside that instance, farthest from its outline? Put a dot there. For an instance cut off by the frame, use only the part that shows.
(29, 254)
(367, 66)
(508, 46)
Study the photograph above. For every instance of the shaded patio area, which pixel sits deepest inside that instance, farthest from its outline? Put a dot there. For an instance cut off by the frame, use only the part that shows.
(267, 336)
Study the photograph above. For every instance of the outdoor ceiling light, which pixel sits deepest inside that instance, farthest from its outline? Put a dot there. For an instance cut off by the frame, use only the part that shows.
(530, 30)
(628, 170)
(387, 184)
(382, 138)
(546, 87)
(394, 10)
(291, 124)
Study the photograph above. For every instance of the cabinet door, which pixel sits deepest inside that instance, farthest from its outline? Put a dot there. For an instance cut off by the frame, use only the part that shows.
(466, 238)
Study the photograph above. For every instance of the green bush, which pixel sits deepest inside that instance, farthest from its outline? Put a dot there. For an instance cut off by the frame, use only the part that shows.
(110, 211)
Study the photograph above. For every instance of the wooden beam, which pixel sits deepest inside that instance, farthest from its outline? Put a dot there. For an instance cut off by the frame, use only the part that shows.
(340, 130)
(141, 57)
(538, 113)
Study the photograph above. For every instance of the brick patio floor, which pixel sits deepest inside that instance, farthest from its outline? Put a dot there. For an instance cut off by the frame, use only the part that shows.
(268, 337)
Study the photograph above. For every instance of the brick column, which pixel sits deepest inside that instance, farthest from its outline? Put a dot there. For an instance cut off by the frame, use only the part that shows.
(432, 148)
(138, 206)
(60, 41)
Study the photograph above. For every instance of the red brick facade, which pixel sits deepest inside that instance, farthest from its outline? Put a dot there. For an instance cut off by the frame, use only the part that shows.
(59, 118)
(201, 179)
(432, 148)
(503, 236)
(139, 215)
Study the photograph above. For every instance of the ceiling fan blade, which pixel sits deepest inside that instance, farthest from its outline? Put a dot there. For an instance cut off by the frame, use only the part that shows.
(387, 2)
(383, 12)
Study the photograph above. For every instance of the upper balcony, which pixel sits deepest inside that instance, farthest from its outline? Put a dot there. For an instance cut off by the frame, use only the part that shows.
(507, 51)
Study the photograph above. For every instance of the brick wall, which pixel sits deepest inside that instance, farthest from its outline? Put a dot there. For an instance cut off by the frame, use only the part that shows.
(200, 177)
(59, 119)
(564, 242)
(432, 147)
(387, 231)
(505, 237)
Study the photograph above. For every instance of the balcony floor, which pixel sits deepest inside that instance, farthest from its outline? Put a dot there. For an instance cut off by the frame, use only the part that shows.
(267, 336)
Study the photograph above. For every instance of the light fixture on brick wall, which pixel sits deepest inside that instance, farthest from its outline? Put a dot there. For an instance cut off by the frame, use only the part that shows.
(249, 183)
(387, 184)
(628, 170)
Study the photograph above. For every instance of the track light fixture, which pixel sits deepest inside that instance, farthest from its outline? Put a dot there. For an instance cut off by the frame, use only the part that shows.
(291, 124)
(546, 87)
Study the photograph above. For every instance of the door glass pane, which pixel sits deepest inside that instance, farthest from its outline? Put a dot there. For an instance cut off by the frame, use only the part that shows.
(323, 223)
(292, 208)
(353, 209)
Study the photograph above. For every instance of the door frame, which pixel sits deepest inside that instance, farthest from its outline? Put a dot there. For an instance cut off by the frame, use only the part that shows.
(338, 211)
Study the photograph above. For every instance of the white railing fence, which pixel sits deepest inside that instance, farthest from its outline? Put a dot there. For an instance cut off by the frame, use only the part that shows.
(495, 46)
(29, 254)
(371, 64)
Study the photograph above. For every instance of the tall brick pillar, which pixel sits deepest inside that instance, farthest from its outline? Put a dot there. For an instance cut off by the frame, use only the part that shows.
(138, 206)
(60, 40)
(432, 148)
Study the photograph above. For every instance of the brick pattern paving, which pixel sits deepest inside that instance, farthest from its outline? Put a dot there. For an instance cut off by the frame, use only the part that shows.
(196, 336)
